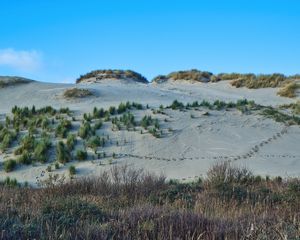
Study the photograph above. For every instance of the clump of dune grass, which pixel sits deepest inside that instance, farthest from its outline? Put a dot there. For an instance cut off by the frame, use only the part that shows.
(77, 93)
(260, 81)
(289, 90)
(190, 75)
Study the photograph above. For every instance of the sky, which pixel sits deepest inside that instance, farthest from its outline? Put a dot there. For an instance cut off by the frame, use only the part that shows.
(58, 40)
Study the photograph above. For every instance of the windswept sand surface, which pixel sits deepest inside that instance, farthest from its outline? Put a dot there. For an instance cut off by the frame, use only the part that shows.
(189, 145)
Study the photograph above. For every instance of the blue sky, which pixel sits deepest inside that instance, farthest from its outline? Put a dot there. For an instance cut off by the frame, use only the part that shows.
(59, 40)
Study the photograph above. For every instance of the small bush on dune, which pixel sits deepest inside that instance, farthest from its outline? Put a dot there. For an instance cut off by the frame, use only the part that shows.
(77, 93)
(63, 127)
(85, 130)
(41, 150)
(63, 154)
(9, 165)
(71, 141)
(72, 170)
(289, 90)
(81, 155)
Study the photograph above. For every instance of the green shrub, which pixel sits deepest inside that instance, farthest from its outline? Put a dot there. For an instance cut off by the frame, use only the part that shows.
(71, 141)
(85, 130)
(72, 170)
(25, 158)
(81, 155)
(41, 150)
(63, 127)
(10, 182)
(9, 165)
(6, 138)
(63, 154)
(176, 105)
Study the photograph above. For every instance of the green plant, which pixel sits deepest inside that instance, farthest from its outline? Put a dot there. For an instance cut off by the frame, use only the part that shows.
(63, 154)
(81, 155)
(9, 165)
(71, 141)
(72, 170)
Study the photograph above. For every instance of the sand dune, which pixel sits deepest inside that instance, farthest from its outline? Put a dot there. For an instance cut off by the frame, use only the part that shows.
(189, 144)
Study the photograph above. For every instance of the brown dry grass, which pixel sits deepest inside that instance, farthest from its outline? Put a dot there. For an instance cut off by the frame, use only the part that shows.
(124, 203)
(289, 90)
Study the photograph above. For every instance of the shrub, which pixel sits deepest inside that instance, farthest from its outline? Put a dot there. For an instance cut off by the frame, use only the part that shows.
(77, 93)
(10, 182)
(6, 138)
(85, 130)
(81, 155)
(72, 170)
(9, 165)
(63, 154)
(176, 105)
(25, 158)
(63, 127)
(71, 141)
(41, 150)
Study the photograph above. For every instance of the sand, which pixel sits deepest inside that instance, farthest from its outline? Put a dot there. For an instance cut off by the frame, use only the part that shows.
(189, 145)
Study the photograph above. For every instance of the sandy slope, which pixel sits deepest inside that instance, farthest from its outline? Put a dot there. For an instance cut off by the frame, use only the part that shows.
(189, 145)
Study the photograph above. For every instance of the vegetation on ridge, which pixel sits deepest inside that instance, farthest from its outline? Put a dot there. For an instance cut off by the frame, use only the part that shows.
(113, 74)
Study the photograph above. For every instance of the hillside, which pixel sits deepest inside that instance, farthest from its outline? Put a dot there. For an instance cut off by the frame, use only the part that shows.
(6, 81)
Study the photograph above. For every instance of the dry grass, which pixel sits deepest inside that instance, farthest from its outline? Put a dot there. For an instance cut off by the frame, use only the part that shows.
(190, 75)
(260, 81)
(125, 203)
(77, 93)
(289, 90)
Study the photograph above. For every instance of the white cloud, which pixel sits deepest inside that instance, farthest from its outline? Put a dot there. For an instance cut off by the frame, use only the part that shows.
(28, 61)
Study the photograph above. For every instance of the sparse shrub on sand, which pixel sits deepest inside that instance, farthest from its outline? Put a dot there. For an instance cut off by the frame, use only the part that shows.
(280, 117)
(41, 150)
(295, 107)
(77, 93)
(95, 141)
(71, 141)
(85, 130)
(6, 138)
(72, 170)
(176, 105)
(9, 165)
(25, 158)
(81, 155)
(62, 128)
(63, 154)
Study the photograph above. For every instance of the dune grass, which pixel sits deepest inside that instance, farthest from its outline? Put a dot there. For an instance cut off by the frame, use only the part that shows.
(289, 90)
(125, 203)
(77, 93)
(113, 74)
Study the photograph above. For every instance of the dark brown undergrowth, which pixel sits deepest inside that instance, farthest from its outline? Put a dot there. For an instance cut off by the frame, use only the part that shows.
(231, 203)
